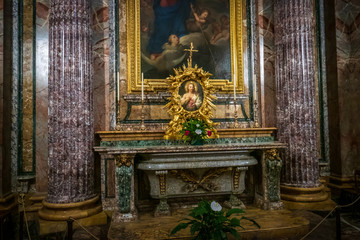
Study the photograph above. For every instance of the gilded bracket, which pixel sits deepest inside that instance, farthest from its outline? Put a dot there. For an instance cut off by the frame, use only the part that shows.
(236, 179)
(162, 181)
(124, 160)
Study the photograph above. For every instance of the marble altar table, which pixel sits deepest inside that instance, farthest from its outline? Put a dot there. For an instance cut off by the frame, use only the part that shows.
(175, 170)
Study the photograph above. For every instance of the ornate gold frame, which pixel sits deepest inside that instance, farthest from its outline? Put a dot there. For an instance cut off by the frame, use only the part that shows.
(156, 85)
(177, 111)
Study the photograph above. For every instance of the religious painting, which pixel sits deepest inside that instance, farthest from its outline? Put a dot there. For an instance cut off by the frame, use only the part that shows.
(191, 95)
(163, 29)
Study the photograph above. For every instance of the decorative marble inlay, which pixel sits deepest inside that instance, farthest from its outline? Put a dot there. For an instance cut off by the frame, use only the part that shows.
(296, 91)
(27, 86)
(71, 124)
(14, 96)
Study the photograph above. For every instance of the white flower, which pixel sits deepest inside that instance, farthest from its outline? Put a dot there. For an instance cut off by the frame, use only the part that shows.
(197, 125)
(215, 206)
(198, 131)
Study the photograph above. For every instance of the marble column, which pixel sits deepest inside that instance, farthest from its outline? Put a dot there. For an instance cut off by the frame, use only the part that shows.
(296, 99)
(71, 131)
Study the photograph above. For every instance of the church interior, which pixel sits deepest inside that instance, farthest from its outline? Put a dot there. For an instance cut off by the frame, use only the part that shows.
(119, 118)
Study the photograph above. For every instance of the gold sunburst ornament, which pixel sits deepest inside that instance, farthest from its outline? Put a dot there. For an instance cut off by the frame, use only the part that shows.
(192, 96)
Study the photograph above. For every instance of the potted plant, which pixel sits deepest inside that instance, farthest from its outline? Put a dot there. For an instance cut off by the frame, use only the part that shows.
(195, 131)
(209, 221)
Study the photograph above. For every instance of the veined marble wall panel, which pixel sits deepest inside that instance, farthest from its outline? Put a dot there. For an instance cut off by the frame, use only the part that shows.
(42, 71)
(122, 55)
(267, 62)
(27, 87)
(246, 54)
(348, 50)
(14, 94)
(1, 72)
(103, 92)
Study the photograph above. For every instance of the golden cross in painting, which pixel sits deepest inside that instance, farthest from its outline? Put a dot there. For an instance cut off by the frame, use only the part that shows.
(191, 50)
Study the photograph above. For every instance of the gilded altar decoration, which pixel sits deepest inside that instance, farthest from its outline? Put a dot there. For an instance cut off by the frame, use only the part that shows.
(193, 181)
(191, 100)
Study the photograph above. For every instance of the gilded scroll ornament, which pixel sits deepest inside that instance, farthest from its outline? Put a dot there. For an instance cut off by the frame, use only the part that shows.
(194, 181)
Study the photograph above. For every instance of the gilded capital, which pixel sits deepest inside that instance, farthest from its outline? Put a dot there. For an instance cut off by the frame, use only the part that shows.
(124, 159)
(272, 154)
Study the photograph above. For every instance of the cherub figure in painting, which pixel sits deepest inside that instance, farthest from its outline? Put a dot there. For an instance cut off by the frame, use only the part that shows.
(200, 21)
(191, 100)
(172, 55)
(221, 31)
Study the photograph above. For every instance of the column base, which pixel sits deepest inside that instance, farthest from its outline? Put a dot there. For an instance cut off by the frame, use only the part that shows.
(298, 194)
(47, 227)
(326, 205)
(340, 183)
(63, 211)
(8, 202)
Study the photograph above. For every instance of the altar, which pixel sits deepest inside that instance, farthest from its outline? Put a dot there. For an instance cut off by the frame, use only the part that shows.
(175, 170)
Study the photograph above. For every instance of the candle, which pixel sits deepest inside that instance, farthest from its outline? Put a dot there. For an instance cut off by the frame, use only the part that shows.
(255, 86)
(234, 80)
(117, 79)
(142, 86)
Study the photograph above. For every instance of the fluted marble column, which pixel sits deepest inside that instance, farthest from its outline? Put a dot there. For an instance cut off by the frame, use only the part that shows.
(71, 134)
(296, 96)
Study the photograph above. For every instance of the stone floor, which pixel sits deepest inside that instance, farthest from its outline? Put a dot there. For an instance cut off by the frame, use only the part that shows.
(326, 231)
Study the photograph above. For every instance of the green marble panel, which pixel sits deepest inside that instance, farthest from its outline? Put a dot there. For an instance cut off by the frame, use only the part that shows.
(273, 170)
(145, 143)
(124, 177)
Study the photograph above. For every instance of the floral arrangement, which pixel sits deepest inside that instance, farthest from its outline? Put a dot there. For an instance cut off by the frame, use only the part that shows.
(195, 131)
(211, 222)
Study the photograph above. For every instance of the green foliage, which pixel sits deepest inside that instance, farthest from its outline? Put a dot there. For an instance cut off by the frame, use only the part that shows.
(211, 222)
(194, 130)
